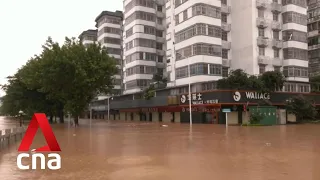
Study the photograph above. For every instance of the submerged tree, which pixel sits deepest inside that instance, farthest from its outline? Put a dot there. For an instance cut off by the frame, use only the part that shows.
(301, 107)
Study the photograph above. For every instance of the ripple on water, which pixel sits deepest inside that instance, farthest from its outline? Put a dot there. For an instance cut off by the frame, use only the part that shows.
(138, 173)
(129, 160)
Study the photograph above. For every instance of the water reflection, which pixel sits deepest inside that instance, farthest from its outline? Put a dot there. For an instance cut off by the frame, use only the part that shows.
(144, 151)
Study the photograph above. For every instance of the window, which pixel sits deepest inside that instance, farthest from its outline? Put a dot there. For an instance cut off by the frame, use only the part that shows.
(294, 17)
(159, 46)
(275, 16)
(224, 2)
(277, 68)
(160, 59)
(225, 72)
(295, 53)
(159, 21)
(261, 32)
(224, 18)
(149, 30)
(224, 36)
(301, 3)
(224, 54)
(159, 8)
(177, 19)
(206, 10)
(110, 40)
(199, 49)
(262, 69)
(159, 33)
(276, 53)
(215, 69)
(261, 51)
(294, 35)
(295, 71)
(276, 35)
(185, 15)
(129, 32)
(261, 13)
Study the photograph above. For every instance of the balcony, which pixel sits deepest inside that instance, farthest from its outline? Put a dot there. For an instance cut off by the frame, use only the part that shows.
(314, 47)
(262, 23)
(263, 60)
(276, 25)
(225, 9)
(276, 7)
(226, 62)
(262, 4)
(226, 27)
(160, 14)
(277, 62)
(277, 44)
(263, 41)
(226, 45)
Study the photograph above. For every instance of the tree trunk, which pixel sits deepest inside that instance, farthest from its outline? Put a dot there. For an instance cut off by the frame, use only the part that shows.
(76, 121)
(61, 116)
(50, 119)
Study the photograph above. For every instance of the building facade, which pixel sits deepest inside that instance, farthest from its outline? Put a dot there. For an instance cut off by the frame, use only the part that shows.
(144, 43)
(109, 35)
(314, 36)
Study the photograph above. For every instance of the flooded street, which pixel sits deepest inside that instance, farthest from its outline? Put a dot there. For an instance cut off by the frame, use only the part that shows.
(140, 151)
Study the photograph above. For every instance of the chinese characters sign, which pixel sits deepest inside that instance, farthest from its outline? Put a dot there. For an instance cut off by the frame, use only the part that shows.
(196, 98)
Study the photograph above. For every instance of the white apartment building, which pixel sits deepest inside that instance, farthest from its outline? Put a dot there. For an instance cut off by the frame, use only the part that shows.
(109, 25)
(214, 37)
(88, 37)
(144, 43)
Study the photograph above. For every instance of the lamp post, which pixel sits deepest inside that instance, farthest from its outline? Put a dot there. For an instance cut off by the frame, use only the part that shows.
(190, 98)
(20, 114)
(108, 99)
(90, 108)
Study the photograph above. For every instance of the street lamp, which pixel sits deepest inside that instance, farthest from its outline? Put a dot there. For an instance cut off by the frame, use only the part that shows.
(109, 106)
(190, 109)
(20, 114)
(90, 108)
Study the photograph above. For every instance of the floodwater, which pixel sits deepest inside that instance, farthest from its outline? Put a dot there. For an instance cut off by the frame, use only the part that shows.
(142, 151)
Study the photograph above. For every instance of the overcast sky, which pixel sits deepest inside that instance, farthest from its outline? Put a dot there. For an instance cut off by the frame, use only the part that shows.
(26, 24)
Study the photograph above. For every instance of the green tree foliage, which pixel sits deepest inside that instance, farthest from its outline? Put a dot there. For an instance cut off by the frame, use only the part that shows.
(63, 78)
(159, 81)
(238, 79)
(301, 107)
(149, 92)
(315, 83)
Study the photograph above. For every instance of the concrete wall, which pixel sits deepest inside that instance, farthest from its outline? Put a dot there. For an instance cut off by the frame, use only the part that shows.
(177, 117)
(233, 118)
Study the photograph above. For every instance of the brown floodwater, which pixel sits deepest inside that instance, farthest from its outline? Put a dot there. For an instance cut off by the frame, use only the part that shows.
(148, 151)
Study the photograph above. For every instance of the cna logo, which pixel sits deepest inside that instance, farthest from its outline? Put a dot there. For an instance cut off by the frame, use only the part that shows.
(39, 120)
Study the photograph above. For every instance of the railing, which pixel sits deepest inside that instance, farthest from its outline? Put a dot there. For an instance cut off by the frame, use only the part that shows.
(9, 135)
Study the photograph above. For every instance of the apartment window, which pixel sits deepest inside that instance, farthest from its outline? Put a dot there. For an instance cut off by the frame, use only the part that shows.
(115, 51)
(141, 15)
(160, 59)
(198, 29)
(294, 35)
(198, 69)
(276, 53)
(275, 1)
(177, 19)
(199, 49)
(276, 35)
(215, 69)
(261, 13)
(159, 46)
(129, 32)
(149, 30)
(295, 71)
(294, 17)
(277, 68)
(261, 32)
(159, 8)
(159, 33)
(159, 21)
(261, 51)
(225, 72)
(185, 15)
(224, 2)
(224, 54)
(301, 3)
(224, 36)
(295, 53)
(275, 16)
(224, 18)
(206, 10)
(262, 69)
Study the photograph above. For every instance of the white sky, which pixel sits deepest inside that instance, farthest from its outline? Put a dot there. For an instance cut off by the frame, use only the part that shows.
(26, 24)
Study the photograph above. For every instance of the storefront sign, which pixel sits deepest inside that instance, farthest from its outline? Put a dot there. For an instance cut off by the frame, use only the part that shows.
(196, 98)
(251, 95)
(256, 95)
(149, 109)
(198, 109)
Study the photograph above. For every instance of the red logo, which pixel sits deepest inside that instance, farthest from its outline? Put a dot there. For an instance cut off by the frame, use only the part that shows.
(39, 120)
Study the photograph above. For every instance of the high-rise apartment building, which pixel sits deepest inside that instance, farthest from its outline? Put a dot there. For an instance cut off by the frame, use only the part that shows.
(212, 37)
(144, 42)
(88, 37)
(110, 30)
(314, 36)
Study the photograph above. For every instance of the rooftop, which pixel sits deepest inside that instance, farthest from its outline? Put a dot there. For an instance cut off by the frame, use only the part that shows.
(89, 32)
(109, 13)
